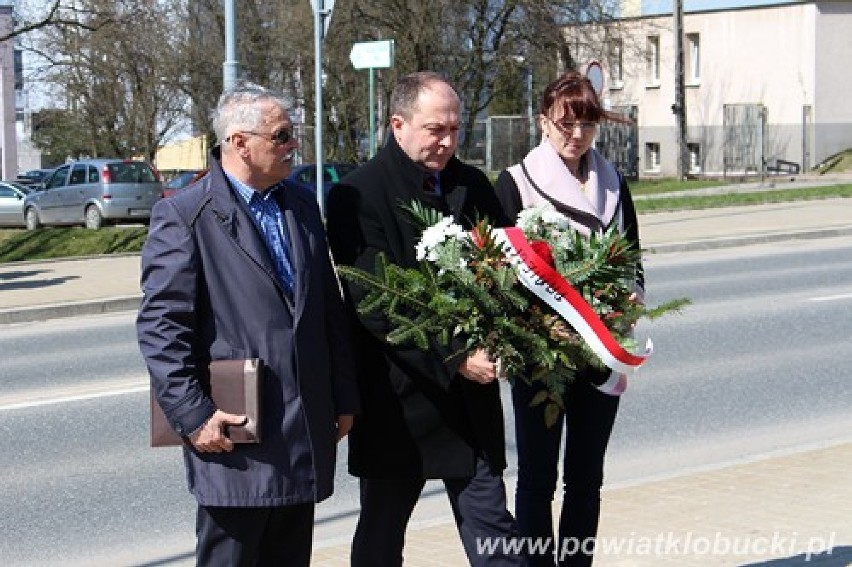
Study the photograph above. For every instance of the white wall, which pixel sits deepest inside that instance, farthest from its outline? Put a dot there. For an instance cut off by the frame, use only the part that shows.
(784, 57)
(833, 94)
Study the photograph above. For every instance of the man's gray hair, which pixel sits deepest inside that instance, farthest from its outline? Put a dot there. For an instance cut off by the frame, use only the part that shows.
(403, 99)
(241, 108)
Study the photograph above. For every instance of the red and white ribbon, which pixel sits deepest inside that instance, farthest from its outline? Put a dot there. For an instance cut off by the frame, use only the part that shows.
(614, 385)
(548, 285)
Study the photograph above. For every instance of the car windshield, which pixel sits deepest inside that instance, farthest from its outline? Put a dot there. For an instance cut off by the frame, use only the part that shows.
(36, 174)
(131, 172)
(181, 180)
(20, 187)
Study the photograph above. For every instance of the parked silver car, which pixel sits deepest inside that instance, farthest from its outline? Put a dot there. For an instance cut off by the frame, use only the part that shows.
(94, 192)
(33, 177)
(12, 203)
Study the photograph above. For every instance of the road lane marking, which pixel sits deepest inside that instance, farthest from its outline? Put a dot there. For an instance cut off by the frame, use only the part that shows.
(38, 401)
(831, 297)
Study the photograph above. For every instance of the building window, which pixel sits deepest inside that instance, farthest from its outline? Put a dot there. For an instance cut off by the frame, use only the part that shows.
(652, 156)
(653, 55)
(694, 157)
(616, 63)
(693, 59)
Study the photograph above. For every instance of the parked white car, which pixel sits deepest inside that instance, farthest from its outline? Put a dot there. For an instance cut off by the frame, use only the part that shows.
(12, 203)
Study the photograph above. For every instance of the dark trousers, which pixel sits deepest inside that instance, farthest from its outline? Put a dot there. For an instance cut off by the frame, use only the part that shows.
(587, 422)
(275, 536)
(479, 507)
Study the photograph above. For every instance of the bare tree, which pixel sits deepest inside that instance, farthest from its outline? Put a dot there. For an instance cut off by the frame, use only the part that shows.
(117, 77)
(57, 13)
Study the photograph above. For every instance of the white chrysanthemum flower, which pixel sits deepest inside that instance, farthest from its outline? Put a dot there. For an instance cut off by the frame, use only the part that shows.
(545, 214)
(553, 217)
(526, 217)
(434, 236)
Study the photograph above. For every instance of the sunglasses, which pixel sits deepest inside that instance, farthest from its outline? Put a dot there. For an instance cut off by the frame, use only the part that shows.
(278, 138)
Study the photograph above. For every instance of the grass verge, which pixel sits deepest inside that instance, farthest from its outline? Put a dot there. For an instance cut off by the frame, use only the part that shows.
(19, 244)
(735, 199)
(657, 186)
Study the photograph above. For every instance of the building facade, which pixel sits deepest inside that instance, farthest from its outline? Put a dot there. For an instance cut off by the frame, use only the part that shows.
(766, 82)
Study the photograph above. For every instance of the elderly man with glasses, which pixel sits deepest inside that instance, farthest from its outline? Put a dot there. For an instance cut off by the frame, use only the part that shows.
(236, 267)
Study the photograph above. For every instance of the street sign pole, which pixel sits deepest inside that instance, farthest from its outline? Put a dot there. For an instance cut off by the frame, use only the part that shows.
(319, 5)
(372, 113)
(372, 55)
(322, 15)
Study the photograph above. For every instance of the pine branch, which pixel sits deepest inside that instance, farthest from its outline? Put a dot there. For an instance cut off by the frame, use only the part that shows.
(420, 215)
(466, 289)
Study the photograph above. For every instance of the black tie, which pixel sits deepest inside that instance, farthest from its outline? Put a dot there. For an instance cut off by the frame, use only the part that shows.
(431, 196)
(430, 183)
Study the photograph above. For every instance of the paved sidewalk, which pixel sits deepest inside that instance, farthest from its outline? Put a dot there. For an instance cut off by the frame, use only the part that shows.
(735, 226)
(782, 511)
(63, 288)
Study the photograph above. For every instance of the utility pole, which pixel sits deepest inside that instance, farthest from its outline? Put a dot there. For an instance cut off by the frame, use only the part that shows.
(322, 18)
(231, 67)
(679, 107)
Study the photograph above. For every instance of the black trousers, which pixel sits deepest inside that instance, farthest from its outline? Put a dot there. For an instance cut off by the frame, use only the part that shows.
(587, 422)
(479, 507)
(274, 536)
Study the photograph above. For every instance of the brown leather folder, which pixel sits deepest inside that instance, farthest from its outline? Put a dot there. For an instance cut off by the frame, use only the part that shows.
(235, 386)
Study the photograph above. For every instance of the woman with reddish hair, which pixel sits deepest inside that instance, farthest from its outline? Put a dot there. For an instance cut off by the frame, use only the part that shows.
(567, 172)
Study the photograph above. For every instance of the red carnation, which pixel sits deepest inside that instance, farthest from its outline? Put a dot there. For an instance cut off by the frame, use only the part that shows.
(542, 250)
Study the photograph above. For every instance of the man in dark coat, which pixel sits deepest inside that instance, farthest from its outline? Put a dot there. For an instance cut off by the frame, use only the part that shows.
(237, 266)
(425, 414)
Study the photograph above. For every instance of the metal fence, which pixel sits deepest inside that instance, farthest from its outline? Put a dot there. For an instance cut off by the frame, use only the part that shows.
(502, 141)
(744, 126)
(619, 143)
(507, 140)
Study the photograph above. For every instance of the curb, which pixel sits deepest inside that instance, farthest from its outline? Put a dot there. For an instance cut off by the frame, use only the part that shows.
(69, 259)
(70, 309)
(745, 240)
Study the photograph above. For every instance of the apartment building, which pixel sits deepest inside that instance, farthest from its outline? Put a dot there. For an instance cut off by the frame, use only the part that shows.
(767, 83)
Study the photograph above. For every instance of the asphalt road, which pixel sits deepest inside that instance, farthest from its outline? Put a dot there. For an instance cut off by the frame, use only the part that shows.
(755, 365)
(758, 362)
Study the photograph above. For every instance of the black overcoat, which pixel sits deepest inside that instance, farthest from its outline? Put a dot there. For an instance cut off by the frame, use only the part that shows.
(419, 418)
